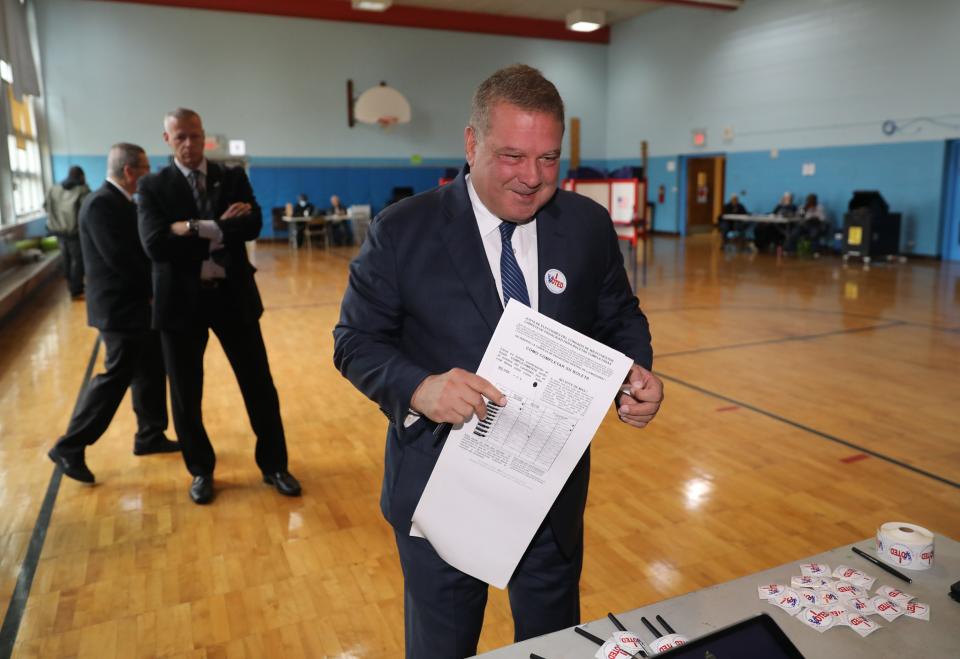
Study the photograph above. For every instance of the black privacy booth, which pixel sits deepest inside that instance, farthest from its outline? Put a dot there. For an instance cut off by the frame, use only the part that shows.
(870, 230)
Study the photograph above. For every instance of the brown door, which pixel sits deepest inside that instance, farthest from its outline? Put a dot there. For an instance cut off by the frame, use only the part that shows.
(704, 192)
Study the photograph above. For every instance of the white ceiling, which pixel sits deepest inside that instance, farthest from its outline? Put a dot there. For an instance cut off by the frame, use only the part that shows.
(556, 10)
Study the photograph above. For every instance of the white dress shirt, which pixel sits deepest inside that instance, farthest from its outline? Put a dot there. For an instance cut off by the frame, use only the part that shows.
(524, 243)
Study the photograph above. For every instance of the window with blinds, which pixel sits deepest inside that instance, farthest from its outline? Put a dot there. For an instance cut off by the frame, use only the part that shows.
(24, 151)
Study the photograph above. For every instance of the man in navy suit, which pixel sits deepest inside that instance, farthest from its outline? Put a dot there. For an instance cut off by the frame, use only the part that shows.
(194, 218)
(423, 299)
(118, 304)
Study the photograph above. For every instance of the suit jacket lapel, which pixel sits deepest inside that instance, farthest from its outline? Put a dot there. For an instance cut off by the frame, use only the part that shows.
(214, 187)
(550, 248)
(465, 247)
(183, 191)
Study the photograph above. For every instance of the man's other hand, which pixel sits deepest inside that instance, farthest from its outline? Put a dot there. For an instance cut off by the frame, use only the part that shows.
(236, 209)
(454, 396)
(641, 397)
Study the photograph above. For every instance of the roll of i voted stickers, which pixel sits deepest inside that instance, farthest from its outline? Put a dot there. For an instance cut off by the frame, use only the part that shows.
(612, 650)
(815, 570)
(862, 605)
(789, 601)
(668, 642)
(817, 618)
(854, 576)
(895, 594)
(917, 610)
(861, 624)
(886, 608)
(808, 595)
(905, 545)
(770, 590)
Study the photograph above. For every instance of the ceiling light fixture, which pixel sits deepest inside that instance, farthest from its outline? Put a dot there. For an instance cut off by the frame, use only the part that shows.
(371, 5)
(585, 20)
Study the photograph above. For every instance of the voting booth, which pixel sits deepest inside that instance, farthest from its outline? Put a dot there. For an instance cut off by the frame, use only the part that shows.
(626, 201)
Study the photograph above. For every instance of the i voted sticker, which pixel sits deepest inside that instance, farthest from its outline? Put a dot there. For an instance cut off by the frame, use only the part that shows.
(555, 280)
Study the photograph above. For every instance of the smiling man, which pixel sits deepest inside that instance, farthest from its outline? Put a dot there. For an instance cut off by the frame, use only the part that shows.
(423, 299)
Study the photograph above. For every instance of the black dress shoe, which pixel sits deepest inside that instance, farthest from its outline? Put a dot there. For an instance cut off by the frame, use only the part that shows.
(73, 466)
(285, 483)
(159, 444)
(201, 490)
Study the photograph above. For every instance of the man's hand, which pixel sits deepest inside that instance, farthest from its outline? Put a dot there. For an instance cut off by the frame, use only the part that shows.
(454, 396)
(236, 209)
(640, 405)
(181, 228)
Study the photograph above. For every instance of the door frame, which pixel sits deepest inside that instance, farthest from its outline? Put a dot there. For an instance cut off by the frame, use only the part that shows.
(682, 159)
(950, 221)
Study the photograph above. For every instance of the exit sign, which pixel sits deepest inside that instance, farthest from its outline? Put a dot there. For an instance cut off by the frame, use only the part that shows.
(699, 138)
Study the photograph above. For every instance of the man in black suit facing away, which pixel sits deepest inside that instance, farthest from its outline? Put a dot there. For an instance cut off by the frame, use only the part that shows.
(118, 304)
(195, 217)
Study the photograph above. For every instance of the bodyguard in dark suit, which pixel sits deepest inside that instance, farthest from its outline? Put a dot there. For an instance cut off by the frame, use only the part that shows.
(422, 302)
(195, 217)
(118, 304)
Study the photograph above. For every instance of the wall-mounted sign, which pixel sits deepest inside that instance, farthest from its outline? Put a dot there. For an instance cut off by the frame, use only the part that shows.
(700, 138)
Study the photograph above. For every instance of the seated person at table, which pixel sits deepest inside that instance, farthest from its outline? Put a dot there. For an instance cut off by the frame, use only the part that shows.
(772, 235)
(808, 234)
(303, 208)
(786, 207)
(342, 229)
(730, 230)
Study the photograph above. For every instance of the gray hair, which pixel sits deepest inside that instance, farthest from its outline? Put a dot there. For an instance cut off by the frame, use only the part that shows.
(179, 114)
(122, 154)
(519, 85)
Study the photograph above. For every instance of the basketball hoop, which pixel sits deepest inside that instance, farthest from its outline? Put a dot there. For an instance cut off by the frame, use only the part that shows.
(387, 122)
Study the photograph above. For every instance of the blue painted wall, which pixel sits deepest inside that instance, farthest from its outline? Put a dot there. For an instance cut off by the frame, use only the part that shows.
(909, 175)
(277, 181)
(950, 243)
(814, 79)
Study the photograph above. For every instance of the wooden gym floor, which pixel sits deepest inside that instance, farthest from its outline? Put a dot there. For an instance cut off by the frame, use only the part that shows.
(805, 404)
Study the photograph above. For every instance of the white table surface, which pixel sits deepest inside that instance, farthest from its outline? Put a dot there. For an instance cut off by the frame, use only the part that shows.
(703, 611)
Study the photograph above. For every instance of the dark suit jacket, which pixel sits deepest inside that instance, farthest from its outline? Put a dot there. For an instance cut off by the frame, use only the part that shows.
(421, 300)
(165, 198)
(117, 270)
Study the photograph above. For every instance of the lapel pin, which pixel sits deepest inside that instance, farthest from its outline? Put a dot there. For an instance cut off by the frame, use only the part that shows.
(555, 281)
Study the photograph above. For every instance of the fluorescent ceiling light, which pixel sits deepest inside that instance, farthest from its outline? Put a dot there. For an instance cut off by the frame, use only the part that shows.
(371, 5)
(585, 20)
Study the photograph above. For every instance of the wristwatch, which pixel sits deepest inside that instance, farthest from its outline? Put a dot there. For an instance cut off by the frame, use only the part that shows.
(194, 227)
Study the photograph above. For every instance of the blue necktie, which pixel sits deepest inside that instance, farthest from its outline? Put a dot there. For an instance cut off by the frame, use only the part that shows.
(514, 288)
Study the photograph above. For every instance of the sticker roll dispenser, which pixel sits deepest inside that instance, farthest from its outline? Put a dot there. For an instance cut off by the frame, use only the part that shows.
(905, 546)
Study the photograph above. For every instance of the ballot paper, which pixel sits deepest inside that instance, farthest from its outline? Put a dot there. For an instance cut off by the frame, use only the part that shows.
(496, 479)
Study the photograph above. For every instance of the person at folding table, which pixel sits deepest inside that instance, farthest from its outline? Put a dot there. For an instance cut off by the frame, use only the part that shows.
(423, 298)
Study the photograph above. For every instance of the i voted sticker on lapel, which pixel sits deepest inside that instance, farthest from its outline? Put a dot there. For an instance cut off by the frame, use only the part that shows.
(556, 281)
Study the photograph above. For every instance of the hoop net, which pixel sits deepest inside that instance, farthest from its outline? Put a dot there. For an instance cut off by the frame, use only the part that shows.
(387, 122)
